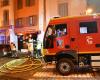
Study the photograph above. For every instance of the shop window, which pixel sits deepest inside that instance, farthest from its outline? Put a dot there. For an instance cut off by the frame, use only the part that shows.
(19, 4)
(88, 27)
(2, 39)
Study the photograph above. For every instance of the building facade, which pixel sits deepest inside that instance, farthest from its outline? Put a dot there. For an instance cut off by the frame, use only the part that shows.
(61, 8)
(6, 20)
(26, 16)
(34, 15)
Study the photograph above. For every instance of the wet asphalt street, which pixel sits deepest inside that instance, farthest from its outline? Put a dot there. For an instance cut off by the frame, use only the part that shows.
(48, 72)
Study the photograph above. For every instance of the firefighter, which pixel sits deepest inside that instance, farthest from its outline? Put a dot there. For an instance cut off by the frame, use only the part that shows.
(30, 46)
(13, 50)
(39, 45)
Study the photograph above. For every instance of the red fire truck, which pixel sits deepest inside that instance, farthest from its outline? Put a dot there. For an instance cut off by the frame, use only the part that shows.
(73, 41)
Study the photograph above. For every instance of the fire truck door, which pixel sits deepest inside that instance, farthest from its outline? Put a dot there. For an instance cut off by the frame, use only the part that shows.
(49, 38)
(73, 36)
(57, 38)
(61, 40)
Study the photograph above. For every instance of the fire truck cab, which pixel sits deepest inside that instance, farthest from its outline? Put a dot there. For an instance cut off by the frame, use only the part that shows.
(73, 41)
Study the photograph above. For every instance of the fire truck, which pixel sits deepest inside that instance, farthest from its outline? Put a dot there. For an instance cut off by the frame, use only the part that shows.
(73, 42)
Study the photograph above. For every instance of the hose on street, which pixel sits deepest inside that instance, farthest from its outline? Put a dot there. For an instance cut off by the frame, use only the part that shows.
(31, 64)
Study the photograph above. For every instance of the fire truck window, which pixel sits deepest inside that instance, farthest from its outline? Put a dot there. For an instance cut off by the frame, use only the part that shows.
(61, 30)
(88, 27)
(49, 32)
(49, 37)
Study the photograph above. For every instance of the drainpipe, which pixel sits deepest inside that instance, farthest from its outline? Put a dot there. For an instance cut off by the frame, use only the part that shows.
(44, 21)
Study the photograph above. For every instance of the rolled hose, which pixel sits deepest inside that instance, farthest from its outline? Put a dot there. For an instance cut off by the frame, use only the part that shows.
(22, 68)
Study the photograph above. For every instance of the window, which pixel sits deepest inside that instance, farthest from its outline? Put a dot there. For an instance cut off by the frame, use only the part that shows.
(5, 2)
(27, 2)
(2, 36)
(30, 2)
(48, 39)
(19, 22)
(50, 30)
(19, 4)
(32, 20)
(88, 27)
(63, 9)
(6, 17)
(61, 29)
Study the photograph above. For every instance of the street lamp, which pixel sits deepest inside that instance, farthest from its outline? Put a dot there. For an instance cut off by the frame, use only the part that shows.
(89, 11)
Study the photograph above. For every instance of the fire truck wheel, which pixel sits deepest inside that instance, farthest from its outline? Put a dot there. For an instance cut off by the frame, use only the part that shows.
(65, 66)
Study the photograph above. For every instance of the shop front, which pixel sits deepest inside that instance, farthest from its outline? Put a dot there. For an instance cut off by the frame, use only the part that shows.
(24, 36)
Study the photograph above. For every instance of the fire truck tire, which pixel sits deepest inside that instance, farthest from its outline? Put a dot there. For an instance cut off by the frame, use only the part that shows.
(65, 66)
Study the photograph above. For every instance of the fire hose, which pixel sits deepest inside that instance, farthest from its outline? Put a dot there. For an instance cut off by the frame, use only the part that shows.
(33, 65)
